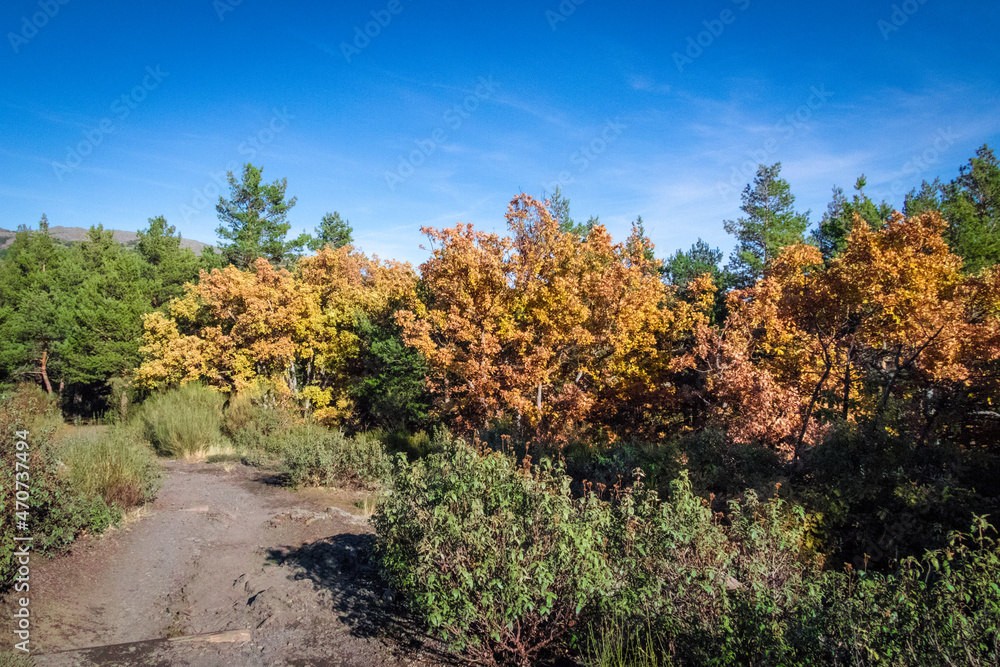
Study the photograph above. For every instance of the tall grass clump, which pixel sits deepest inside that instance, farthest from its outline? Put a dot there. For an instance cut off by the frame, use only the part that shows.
(184, 422)
(58, 512)
(115, 464)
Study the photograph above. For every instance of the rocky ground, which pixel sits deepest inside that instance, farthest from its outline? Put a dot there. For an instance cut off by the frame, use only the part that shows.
(227, 568)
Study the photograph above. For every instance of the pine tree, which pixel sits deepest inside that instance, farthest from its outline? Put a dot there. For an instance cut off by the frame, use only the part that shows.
(253, 220)
(29, 305)
(971, 205)
(170, 266)
(831, 234)
(332, 231)
(770, 224)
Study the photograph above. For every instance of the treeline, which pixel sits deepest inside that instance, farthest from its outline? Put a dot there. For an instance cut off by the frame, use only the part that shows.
(848, 374)
(874, 326)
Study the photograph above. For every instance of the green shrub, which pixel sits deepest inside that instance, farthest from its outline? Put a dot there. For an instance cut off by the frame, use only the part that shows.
(502, 563)
(57, 513)
(116, 465)
(617, 463)
(940, 609)
(258, 418)
(415, 445)
(184, 422)
(316, 456)
(506, 563)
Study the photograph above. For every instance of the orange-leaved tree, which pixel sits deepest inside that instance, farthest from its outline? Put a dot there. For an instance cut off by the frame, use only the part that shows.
(891, 320)
(541, 327)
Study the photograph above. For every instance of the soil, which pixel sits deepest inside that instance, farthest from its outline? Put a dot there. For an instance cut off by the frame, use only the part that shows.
(228, 567)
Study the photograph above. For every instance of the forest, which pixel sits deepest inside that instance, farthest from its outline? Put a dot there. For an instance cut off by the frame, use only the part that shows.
(582, 449)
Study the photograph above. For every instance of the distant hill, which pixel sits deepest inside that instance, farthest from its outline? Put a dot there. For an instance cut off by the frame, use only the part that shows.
(73, 234)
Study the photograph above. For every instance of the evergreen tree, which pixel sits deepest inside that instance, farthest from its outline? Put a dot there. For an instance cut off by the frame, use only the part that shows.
(971, 205)
(253, 220)
(210, 259)
(926, 198)
(831, 233)
(685, 266)
(29, 304)
(105, 293)
(332, 231)
(559, 210)
(170, 266)
(770, 224)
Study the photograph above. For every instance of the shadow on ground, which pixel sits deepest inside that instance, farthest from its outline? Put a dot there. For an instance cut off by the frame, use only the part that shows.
(342, 565)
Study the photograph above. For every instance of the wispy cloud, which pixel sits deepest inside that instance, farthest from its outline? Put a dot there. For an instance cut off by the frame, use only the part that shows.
(647, 84)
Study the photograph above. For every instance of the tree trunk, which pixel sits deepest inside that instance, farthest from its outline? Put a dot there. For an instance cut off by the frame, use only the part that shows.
(45, 372)
(847, 380)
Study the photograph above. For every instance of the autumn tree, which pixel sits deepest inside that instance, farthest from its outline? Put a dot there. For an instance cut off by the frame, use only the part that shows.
(228, 330)
(540, 326)
(300, 332)
(770, 224)
(253, 220)
(889, 319)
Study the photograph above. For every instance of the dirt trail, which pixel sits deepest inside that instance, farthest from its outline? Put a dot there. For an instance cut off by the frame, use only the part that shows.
(223, 550)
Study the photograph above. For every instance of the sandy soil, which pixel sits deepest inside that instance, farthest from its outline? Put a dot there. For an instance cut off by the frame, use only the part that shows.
(225, 548)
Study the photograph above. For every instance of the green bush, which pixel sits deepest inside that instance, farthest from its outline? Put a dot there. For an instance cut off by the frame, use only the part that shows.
(507, 563)
(116, 465)
(184, 422)
(316, 456)
(502, 563)
(940, 609)
(258, 418)
(57, 512)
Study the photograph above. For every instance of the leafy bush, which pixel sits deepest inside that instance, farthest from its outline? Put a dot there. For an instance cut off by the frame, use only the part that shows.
(617, 463)
(316, 456)
(940, 609)
(58, 513)
(184, 422)
(116, 465)
(502, 563)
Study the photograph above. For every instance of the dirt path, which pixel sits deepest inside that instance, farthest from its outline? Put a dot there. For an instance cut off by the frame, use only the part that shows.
(223, 549)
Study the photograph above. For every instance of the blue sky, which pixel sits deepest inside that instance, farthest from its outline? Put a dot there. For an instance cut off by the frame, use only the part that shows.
(114, 112)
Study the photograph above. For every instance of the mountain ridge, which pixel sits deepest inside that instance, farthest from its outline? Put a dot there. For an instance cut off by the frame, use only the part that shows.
(76, 234)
